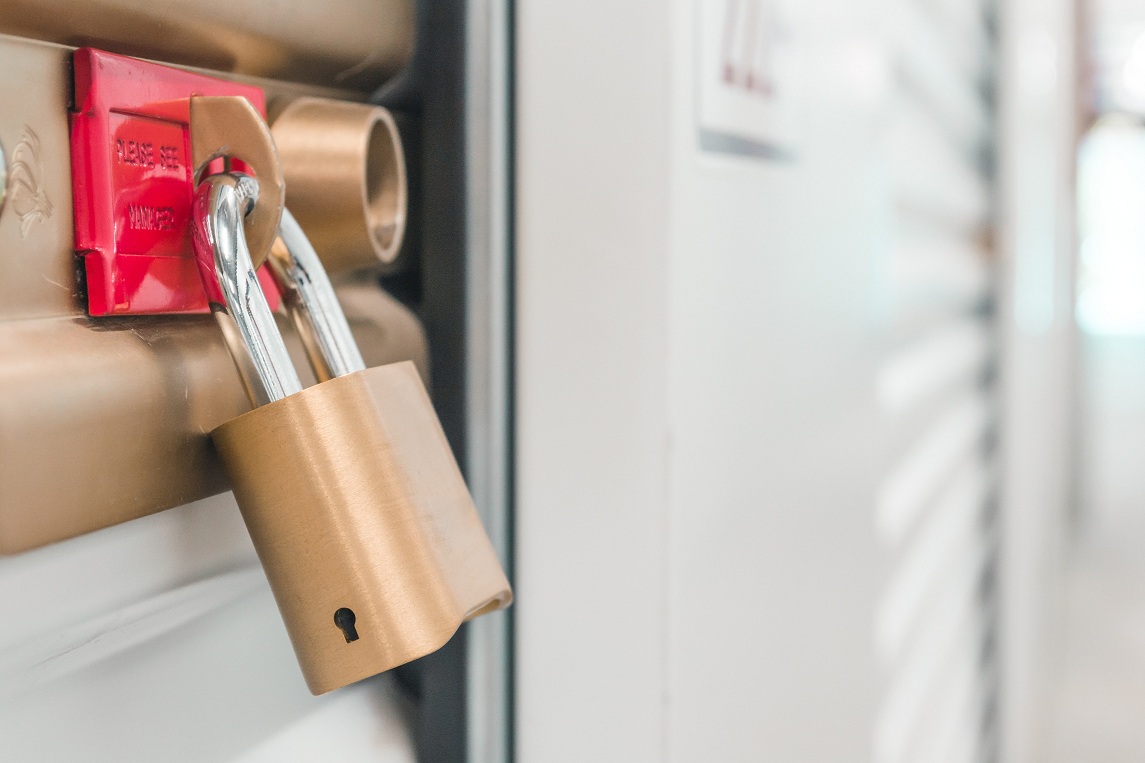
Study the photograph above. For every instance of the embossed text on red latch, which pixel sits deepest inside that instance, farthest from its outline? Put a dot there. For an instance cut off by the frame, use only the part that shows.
(131, 182)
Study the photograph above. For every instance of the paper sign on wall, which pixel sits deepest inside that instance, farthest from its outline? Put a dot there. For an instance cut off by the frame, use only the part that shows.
(746, 77)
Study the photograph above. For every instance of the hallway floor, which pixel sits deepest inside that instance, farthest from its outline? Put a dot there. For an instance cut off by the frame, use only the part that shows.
(1100, 699)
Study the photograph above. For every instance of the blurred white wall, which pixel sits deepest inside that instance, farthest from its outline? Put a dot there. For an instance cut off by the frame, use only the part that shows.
(753, 461)
(1038, 105)
(1100, 680)
(592, 200)
(1099, 673)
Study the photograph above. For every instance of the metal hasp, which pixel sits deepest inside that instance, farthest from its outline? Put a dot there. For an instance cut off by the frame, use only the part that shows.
(139, 133)
(356, 505)
(103, 421)
(225, 127)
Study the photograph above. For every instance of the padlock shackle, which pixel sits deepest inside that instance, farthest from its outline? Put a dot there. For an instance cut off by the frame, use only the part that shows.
(313, 306)
(237, 302)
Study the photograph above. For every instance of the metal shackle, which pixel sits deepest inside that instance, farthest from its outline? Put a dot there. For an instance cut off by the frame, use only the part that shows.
(233, 290)
(313, 306)
(240, 306)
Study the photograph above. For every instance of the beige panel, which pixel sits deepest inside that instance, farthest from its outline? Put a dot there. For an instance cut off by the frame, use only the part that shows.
(354, 44)
(36, 224)
(104, 421)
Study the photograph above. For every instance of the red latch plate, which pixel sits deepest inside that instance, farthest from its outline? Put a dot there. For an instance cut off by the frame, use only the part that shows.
(131, 183)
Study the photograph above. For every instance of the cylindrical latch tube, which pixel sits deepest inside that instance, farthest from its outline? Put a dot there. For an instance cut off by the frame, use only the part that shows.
(345, 180)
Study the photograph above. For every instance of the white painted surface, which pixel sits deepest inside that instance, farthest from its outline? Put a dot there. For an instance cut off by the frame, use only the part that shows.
(592, 342)
(705, 342)
(1038, 140)
(773, 342)
(159, 640)
(363, 722)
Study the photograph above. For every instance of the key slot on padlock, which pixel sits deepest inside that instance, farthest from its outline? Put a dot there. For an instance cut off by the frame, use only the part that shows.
(345, 618)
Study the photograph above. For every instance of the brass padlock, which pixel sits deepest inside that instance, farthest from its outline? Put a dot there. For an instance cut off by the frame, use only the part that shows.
(352, 496)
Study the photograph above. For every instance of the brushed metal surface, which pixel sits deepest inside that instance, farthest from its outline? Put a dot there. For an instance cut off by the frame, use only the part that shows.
(106, 421)
(353, 44)
(354, 501)
(230, 127)
(345, 179)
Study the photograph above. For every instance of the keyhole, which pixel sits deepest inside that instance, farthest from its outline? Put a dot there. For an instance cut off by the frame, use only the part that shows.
(344, 619)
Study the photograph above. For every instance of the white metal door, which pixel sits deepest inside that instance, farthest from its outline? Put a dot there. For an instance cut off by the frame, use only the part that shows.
(754, 470)
(159, 640)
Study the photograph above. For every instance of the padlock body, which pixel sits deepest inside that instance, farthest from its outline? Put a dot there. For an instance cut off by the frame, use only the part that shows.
(355, 502)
